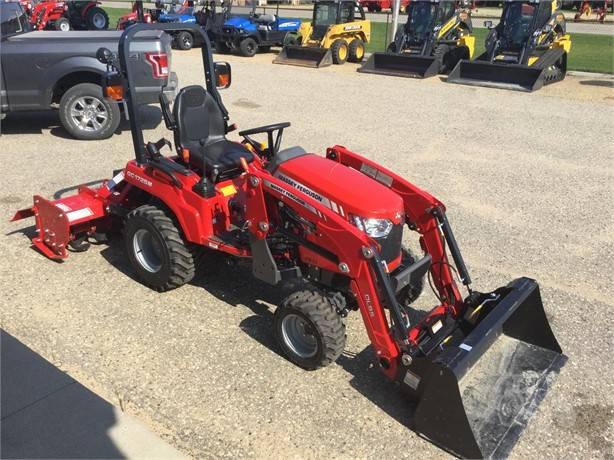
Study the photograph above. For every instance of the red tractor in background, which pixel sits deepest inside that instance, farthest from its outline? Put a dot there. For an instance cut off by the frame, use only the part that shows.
(70, 15)
(375, 6)
(332, 226)
(138, 14)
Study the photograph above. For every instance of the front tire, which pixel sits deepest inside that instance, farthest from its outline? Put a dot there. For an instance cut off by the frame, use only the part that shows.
(339, 50)
(184, 40)
(410, 293)
(157, 251)
(248, 47)
(222, 48)
(309, 330)
(62, 24)
(86, 114)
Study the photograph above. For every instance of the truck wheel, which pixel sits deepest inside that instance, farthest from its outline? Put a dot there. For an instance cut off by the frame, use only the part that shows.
(356, 50)
(97, 19)
(222, 47)
(86, 114)
(291, 40)
(339, 50)
(184, 40)
(158, 253)
(62, 24)
(248, 47)
(410, 293)
(309, 330)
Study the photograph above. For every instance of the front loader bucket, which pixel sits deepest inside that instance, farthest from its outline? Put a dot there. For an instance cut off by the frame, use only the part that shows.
(477, 392)
(401, 65)
(506, 76)
(305, 56)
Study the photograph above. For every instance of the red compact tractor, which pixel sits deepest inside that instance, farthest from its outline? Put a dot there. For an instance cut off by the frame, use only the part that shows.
(65, 16)
(334, 225)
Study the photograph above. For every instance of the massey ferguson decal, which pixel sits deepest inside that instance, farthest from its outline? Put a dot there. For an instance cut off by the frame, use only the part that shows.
(292, 196)
(315, 195)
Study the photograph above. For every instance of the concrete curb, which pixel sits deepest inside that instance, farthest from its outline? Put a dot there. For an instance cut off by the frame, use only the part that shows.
(48, 414)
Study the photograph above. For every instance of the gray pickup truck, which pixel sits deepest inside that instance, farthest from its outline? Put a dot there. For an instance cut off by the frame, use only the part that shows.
(46, 70)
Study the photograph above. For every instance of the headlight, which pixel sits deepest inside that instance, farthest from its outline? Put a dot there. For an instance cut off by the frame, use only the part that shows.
(375, 228)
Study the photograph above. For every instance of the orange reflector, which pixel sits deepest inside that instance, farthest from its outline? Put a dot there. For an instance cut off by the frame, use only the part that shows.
(185, 154)
(223, 80)
(114, 92)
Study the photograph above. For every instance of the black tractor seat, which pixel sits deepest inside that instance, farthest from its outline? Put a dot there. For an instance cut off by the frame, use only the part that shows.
(201, 129)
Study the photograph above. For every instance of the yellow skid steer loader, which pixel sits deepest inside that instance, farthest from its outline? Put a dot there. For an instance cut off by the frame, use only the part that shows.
(435, 37)
(335, 35)
(526, 50)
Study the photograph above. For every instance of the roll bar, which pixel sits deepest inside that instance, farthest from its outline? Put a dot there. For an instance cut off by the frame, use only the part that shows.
(129, 82)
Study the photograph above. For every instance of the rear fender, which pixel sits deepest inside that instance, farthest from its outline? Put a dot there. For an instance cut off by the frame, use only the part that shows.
(192, 212)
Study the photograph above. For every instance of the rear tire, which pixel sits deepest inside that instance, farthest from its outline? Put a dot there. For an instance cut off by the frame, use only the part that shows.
(356, 50)
(339, 50)
(248, 47)
(309, 330)
(62, 24)
(157, 251)
(84, 97)
(97, 19)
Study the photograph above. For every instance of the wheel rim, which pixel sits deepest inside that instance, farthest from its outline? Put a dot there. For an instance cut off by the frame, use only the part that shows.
(251, 47)
(99, 21)
(343, 53)
(64, 27)
(360, 52)
(187, 41)
(147, 250)
(298, 336)
(89, 114)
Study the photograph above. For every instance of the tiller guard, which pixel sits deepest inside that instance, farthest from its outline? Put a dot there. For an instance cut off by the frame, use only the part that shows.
(63, 221)
(304, 56)
(477, 388)
(401, 65)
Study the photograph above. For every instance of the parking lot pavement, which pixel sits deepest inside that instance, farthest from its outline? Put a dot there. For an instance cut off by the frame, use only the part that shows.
(527, 180)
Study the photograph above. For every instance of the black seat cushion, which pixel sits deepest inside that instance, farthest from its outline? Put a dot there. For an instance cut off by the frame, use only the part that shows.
(201, 129)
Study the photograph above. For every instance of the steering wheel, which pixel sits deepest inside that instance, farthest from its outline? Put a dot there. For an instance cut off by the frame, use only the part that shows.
(274, 142)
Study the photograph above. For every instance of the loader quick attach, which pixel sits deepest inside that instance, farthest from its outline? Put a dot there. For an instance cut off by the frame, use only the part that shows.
(435, 37)
(525, 51)
(337, 33)
(477, 365)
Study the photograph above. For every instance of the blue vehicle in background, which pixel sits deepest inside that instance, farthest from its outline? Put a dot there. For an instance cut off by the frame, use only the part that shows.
(208, 17)
(256, 32)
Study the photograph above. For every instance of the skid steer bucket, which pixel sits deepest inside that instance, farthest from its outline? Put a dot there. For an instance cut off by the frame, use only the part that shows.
(305, 56)
(401, 65)
(478, 388)
(505, 76)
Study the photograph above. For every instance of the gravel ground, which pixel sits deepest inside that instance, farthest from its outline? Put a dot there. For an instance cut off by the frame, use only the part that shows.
(528, 182)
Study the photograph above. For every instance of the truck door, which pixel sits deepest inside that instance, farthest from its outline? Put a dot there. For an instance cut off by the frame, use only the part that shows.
(13, 21)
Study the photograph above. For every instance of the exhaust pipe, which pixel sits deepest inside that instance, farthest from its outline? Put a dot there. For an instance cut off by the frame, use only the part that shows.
(506, 76)
(401, 65)
(304, 56)
(477, 392)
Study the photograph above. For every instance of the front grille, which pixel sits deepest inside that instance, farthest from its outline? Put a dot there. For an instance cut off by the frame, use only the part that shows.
(391, 245)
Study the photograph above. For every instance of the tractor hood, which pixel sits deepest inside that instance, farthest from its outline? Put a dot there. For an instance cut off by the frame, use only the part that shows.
(342, 189)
